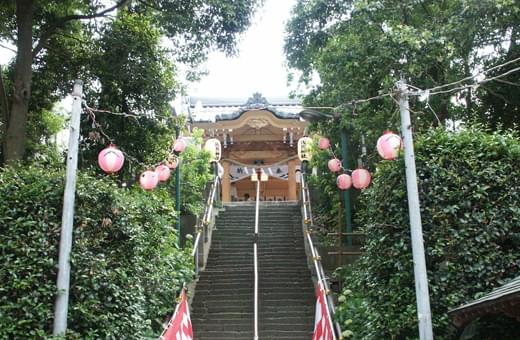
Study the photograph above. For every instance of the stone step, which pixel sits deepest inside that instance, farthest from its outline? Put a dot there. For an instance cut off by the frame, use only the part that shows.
(286, 273)
(245, 308)
(222, 233)
(265, 281)
(222, 335)
(225, 321)
(288, 291)
(262, 258)
(250, 215)
(270, 251)
(273, 242)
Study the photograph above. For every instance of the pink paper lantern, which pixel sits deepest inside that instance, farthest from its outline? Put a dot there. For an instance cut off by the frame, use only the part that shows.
(361, 178)
(111, 159)
(388, 145)
(179, 145)
(163, 172)
(334, 165)
(344, 181)
(324, 143)
(149, 180)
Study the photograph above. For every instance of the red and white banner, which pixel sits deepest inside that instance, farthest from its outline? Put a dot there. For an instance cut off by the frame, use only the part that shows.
(322, 324)
(179, 327)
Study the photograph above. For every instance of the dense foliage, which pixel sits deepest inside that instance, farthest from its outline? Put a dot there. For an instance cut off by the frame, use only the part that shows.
(126, 267)
(469, 186)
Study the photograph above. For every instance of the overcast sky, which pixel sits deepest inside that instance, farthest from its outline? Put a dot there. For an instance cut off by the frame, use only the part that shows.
(260, 63)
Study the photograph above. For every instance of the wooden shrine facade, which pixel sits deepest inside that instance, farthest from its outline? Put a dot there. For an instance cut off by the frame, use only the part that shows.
(256, 136)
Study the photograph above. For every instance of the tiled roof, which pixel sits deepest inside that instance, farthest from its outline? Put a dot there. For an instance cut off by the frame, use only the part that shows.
(219, 109)
(509, 292)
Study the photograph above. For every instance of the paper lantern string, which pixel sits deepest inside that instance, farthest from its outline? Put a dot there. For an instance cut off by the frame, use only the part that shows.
(171, 158)
(342, 169)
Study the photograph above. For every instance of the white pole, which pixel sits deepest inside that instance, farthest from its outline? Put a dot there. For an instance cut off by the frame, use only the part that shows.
(62, 299)
(419, 262)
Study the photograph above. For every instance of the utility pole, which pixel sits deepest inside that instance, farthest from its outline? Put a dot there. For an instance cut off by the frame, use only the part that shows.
(62, 299)
(419, 261)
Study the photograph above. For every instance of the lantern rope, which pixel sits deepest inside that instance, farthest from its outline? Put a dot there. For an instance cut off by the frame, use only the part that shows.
(126, 115)
(436, 90)
(483, 72)
(342, 169)
(91, 113)
(467, 86)
(419, 111)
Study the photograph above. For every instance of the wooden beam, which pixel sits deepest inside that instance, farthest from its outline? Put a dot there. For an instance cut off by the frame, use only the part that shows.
(260, 146)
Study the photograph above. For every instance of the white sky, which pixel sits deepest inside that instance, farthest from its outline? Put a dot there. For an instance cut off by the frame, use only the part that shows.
(5, 53)
(259, 67)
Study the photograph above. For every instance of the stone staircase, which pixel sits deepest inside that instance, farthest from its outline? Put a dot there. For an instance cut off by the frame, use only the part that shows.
(223, 304)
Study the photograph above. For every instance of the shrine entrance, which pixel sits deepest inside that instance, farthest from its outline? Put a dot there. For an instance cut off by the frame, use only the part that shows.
(256, 136)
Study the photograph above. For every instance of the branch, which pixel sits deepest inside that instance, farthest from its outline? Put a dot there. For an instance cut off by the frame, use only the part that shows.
(3, 101)
(95, 15)
(496, 94)
(8, 48)
(506, 82)
(68, 36)
(62, 21)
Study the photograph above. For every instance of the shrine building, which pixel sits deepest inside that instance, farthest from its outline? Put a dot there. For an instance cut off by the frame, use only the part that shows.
(258, 135)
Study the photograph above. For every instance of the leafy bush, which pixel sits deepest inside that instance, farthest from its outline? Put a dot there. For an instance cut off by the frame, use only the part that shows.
(469, 184)
(126, 268)
(195, 174)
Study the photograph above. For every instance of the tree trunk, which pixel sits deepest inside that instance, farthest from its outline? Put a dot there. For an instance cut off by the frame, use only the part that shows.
(14, 143)
(469, 93)
(3, 102)
(443, 113)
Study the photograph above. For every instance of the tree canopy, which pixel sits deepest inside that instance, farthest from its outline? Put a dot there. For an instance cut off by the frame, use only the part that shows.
(358, 48)
(116, 47)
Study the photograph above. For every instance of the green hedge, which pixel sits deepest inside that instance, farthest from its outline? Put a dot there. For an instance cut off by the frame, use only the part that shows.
(469, 184)
(126, 268)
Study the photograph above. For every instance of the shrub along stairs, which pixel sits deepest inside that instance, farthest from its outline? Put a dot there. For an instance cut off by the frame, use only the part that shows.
(224, 296)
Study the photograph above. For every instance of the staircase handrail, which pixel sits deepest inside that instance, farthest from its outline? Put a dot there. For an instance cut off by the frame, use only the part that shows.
(205, 221)
(320, 273)
(255, 255)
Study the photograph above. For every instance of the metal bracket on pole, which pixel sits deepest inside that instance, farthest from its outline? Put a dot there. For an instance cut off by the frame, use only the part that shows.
(419, 261)
(62, 299)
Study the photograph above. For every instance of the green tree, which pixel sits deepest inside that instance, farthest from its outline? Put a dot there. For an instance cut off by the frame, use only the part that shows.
(56, 38)
(135, 79)
(361, 47)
